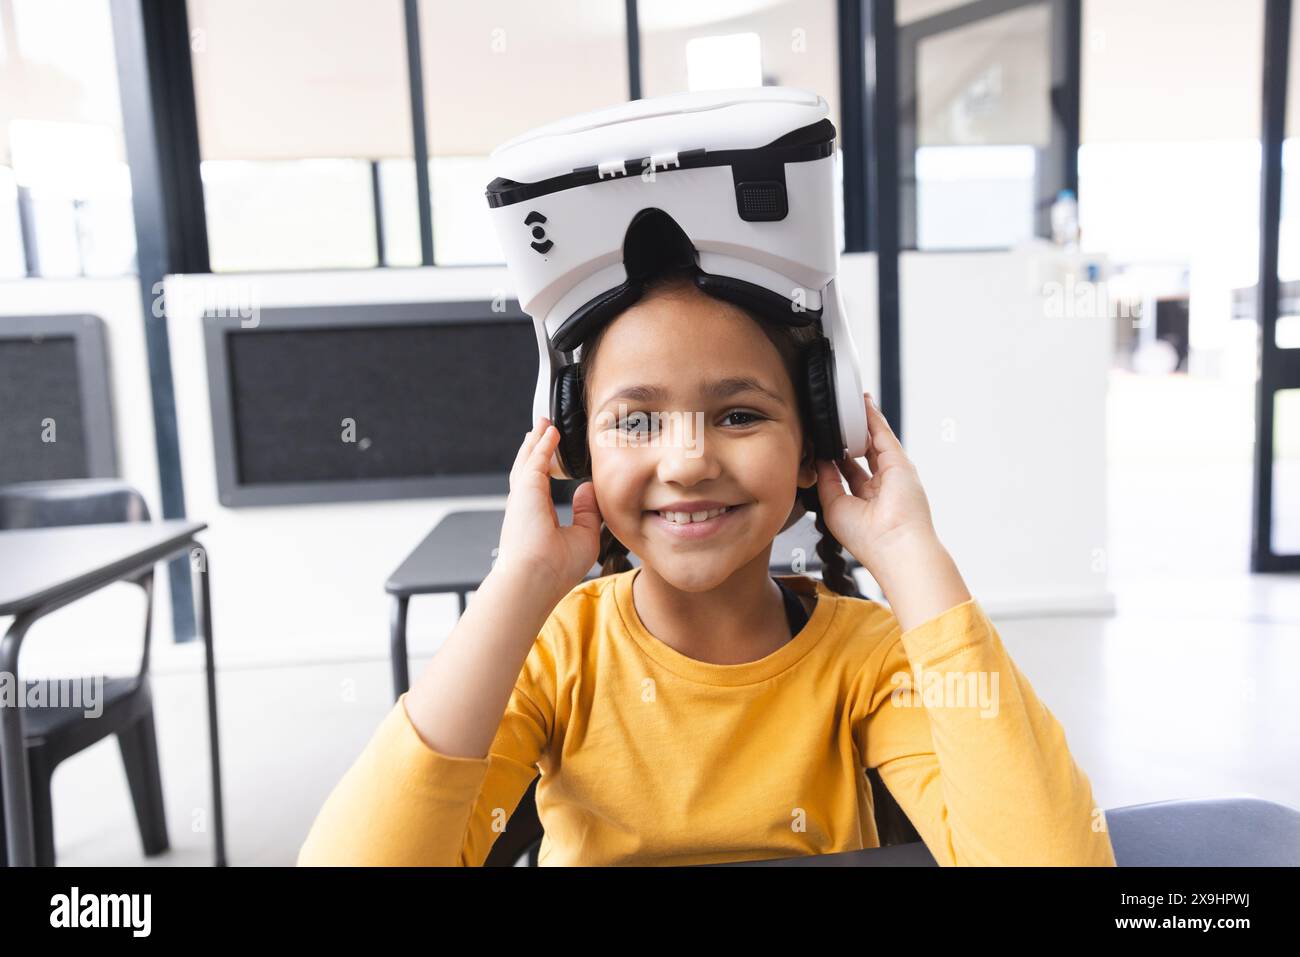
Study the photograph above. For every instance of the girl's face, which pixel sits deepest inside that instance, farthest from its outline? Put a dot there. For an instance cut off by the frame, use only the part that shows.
(669, 420)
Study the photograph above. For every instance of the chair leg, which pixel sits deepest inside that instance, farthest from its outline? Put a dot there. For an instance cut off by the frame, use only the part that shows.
(43, 818)
(41, 776)
(139, 746)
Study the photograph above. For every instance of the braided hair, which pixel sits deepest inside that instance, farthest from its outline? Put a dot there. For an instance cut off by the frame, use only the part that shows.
(791, 342)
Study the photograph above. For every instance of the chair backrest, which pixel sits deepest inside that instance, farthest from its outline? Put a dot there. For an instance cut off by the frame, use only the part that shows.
(70, 502)
(1240, 831)
(892, 825)
(60, 502)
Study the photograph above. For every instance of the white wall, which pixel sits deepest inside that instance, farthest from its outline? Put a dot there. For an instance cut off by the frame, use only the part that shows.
(1004, 416)
(76, 637)
(305, 581)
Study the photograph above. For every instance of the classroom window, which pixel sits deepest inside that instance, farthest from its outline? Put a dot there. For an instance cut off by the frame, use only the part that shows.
(530, 64)
(298, 102)
(65, 192)
(983, 128)
(685, 48)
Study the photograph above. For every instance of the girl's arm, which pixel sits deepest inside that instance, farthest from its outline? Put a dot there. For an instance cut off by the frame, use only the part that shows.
(448, 765)
(978, 763)
(974, 758)
(920, 578)
(439, 779)
(456, 703)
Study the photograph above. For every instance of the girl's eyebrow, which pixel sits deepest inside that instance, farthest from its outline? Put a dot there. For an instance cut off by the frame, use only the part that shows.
(717, 389)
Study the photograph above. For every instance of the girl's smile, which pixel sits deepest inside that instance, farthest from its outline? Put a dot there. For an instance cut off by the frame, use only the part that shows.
(695, 530)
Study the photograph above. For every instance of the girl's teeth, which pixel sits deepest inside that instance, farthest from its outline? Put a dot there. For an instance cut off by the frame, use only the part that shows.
(685, 518)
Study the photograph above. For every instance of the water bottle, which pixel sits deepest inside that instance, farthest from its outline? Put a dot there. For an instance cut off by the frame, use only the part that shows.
(1065, 220)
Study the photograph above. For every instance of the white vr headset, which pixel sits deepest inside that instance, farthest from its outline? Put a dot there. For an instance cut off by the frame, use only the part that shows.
(737, 186)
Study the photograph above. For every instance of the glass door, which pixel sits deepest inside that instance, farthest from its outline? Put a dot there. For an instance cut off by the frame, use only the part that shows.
(988, 119)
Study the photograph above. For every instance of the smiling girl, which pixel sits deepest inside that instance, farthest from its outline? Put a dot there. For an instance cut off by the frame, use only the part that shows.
(677, 714)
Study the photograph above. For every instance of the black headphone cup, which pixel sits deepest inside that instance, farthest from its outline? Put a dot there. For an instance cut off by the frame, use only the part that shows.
(566, 414)
(820, 377)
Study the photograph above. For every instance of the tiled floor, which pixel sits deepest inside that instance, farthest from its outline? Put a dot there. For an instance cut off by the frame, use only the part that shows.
(1188, 691)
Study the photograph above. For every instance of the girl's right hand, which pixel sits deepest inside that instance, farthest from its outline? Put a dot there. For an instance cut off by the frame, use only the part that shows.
(532, 538)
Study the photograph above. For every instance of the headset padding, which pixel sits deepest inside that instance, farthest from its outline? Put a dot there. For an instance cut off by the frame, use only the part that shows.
(570, 419)
(594, 314)
(756, 298)
(821, 396)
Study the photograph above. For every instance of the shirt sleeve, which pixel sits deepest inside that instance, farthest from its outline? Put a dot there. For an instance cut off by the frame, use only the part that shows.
(403, 803)
(977, 762)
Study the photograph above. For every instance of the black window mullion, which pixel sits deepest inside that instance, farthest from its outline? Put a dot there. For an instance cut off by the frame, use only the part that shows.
(419, 130)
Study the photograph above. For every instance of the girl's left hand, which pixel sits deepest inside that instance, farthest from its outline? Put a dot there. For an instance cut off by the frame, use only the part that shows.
(886, 509)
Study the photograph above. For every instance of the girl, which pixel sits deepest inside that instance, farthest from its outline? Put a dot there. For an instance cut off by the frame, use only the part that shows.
(674, 712)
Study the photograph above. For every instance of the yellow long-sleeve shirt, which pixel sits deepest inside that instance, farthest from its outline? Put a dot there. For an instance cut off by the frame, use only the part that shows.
(648, 756)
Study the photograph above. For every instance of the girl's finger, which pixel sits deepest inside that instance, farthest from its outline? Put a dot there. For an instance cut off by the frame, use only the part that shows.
(873, 463)
(855, 474)
(586, 510)
(829, 486)
(522, 451)
(882, 436)
(541, 455)
(526, 446)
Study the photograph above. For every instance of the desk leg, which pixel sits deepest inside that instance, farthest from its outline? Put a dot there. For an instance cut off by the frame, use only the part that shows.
(19, 826)
(199, 574)
(397, 642)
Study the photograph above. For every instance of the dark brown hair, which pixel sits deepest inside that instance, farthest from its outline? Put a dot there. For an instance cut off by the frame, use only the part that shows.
(790, 342)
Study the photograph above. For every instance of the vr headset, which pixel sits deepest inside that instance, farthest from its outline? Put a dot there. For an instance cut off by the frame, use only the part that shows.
(735, 186)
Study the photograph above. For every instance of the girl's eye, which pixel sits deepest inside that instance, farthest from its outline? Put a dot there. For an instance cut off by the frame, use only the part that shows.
(639, 422)
(752, 416)
(636, 422)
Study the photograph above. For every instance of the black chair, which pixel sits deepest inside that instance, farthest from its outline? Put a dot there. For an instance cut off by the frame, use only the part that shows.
(53, 734)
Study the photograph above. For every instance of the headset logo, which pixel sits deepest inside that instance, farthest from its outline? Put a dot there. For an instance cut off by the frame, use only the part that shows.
(540, 242)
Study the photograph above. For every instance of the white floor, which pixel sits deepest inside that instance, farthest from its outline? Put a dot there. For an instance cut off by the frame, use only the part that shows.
(1188, 691)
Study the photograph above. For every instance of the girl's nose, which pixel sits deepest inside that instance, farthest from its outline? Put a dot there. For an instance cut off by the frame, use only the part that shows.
(684, 453)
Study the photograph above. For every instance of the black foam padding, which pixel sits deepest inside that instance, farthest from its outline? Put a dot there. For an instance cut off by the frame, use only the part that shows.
(39, 381)
(570, 418)
(821, 394)
(593, 314)
(756, 298)
(427, 399)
